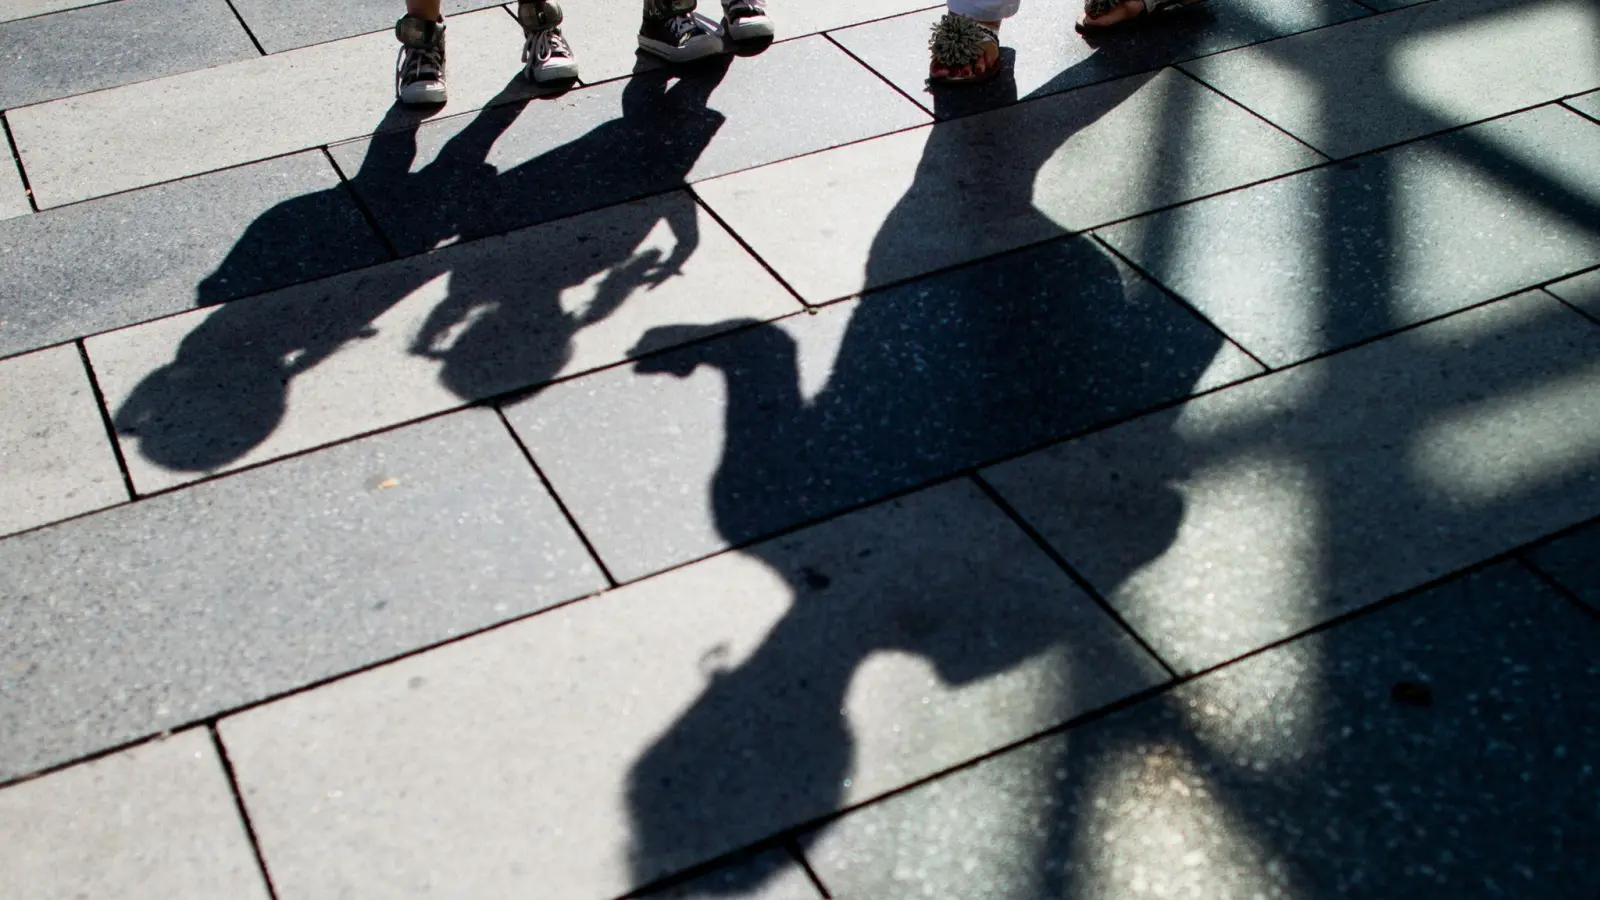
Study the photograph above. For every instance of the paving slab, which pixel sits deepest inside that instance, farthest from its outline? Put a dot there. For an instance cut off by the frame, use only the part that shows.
(1291, 774)
(635, 734)
(865, 215)
(160, 613)
(265, 377)
(11, 10)
(1582, 291)
(286, 24)
(1574, 561)
(1588, 104)
(155, 822)
(516, 165)
(13, 196)
(102, 143)
(111, 262)
(1321, 260)
(1279, 504)
(106, 45)
(726, 441)
(1045, 55)
(771, 875)
(1385, 79)
(55, 460)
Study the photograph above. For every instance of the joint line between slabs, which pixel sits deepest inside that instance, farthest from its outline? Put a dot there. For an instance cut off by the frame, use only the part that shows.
(246, 26)
(106, 419)
(1072, 573)
(244, 813)
(1556, 585)
(16, 158)
(828, 35)
(792, 844)
(361, 206)
(740, 240)
(611, 581)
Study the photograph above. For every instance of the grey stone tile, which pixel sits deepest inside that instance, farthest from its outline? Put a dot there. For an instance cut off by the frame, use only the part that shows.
(55, 460)
(109, 44)
(1273, 506)
(1574, 561)
(160, 613)
(860, 216)
(1320, 260)
(633, 735)
(102, 143)
(286, 24)
(265, 377)
(1588, 104)
(1291, 774)
(119, 260)
(1582, 291)
(11, 10)
(1390, 78)
(13, 196)
(156, 822)
(765, 429)
(770, 875)
(515, 165)
(1044, 55)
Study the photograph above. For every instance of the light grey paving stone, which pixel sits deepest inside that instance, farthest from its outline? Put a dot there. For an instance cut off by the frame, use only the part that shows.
(1390, 78)
(286, 24)
(55, 459)
(109, 44)
(1282, 503)
(1043, 54)
(770, 875)
(729, 440)
(635, 734)
(155, 822)
(513, 166)
(860, 216)
(157, 251)
(1588, 104)
(11, 10)
(1320, 260)
(1582, 291)
(1291, 774)
(160, 613)
(13, 196)
(101, 143)
(262, 378)
(1574, 561)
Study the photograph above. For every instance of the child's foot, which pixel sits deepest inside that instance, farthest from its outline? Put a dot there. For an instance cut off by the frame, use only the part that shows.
(546, 55)
(672, 31)
(1106, 13)
(746, 20)
(963, 51)
(419, 71)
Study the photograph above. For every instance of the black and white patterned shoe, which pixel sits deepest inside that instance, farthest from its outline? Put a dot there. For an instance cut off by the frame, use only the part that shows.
(546, 55)
(746, 20)
(419, 70)
(673, 31)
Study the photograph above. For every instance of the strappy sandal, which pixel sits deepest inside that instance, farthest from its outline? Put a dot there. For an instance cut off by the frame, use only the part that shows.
(1152, 8)
(958, 41)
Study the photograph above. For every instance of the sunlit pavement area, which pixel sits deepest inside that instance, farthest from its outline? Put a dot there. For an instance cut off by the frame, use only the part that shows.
(1169, 470)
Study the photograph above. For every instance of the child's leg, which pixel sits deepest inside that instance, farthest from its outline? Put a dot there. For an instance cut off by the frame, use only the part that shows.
(424, 9)
(419, 75)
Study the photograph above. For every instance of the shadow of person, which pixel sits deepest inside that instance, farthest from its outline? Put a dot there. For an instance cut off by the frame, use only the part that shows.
(501, 327)
(931, 378)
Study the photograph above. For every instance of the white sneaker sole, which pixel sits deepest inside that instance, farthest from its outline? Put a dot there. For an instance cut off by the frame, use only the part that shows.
(750, 29)
(564, 70)
(424, 93)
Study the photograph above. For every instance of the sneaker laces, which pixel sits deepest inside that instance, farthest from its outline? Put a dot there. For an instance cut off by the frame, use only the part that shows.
(684, 26)
(545, 43)
(413, 64)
